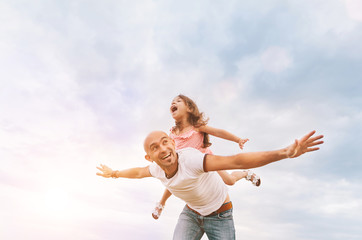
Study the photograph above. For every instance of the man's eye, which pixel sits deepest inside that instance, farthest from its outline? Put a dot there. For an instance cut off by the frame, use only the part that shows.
(153, 149)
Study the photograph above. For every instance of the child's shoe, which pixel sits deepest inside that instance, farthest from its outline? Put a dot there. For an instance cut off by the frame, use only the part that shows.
(252, 177)
(157, 211)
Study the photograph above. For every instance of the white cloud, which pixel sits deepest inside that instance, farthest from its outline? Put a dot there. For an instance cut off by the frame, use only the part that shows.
(354, 9)
(276, 59)
(287, 203)
(248, 67)
(226, 91)
(321, 17)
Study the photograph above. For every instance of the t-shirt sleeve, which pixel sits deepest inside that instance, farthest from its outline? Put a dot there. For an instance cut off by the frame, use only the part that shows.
(154, 169)
(194, 159)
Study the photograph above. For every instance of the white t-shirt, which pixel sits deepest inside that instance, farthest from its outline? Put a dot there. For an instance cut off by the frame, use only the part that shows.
(203, 191)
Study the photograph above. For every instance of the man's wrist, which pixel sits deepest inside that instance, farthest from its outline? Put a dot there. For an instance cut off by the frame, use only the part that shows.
(114, 174)
(284, 153)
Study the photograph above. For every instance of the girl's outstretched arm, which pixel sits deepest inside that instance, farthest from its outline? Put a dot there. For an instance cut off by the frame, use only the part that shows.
(221, 133)
(139, 172)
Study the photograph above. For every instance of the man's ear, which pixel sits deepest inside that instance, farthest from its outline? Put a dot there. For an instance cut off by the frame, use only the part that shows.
(148, 158)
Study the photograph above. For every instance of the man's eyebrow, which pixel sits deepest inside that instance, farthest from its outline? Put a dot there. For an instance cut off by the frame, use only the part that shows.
(156, 143)
(152, 144)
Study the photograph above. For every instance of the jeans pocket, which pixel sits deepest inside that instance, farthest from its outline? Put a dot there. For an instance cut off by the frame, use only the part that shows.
(226, 214)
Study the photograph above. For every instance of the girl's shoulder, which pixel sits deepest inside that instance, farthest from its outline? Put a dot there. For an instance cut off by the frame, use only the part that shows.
(201, 129)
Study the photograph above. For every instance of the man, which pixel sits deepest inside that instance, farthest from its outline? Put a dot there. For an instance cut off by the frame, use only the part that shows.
(190, 175)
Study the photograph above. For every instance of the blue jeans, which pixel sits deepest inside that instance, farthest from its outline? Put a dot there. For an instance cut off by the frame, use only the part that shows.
(191, 226)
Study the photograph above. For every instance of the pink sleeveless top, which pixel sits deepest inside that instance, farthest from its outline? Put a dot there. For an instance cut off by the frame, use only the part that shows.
(191, 138)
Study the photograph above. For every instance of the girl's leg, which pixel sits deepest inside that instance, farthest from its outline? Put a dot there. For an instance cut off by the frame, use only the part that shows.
(231, 179)
(239, 175)
(161, 204)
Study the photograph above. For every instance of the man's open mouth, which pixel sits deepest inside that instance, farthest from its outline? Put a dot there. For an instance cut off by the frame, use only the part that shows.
(168, 155)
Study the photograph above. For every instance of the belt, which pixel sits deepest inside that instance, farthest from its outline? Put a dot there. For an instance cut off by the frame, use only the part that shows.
(223, 208)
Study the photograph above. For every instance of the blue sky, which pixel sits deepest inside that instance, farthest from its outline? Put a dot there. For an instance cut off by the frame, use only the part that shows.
(83, 82)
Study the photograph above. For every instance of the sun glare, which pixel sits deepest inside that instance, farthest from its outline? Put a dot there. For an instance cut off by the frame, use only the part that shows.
(56, 202)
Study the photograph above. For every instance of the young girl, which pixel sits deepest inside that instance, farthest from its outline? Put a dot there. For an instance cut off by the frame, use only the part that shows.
(191, 130)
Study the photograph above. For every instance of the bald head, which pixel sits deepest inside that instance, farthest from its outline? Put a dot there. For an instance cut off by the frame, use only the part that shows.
(152, 137)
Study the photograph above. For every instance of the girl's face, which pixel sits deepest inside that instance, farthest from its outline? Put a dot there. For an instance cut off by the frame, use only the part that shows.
(178, 108)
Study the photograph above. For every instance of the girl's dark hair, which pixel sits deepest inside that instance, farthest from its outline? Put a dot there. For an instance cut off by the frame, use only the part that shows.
(196, 118)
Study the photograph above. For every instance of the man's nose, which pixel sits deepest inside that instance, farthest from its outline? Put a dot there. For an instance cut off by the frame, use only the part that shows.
(162, 148)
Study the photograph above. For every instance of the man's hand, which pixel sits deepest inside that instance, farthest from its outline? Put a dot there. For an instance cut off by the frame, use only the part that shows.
(303, 145)
(106, 171)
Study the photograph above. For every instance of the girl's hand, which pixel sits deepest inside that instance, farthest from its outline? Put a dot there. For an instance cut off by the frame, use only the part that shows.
(242, 142)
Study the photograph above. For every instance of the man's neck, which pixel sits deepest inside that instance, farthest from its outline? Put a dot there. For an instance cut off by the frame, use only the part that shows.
(171, 170)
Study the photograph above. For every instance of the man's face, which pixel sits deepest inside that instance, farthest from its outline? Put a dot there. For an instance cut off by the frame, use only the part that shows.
(161, 149)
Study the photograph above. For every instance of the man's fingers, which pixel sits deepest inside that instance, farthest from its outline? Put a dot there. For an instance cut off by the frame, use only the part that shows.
(315, 138)
(102, 169)
(306, 144)
(306, 137)
(102, 166)
(315, 143)
(312, 149)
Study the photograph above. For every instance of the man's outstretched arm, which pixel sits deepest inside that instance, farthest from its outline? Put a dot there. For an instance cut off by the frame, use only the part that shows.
(140, 172)
(306, 144)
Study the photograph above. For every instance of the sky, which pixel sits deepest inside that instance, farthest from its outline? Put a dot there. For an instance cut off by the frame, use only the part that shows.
(83, 82)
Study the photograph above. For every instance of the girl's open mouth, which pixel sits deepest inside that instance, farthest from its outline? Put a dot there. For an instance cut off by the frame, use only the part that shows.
(173, 108)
